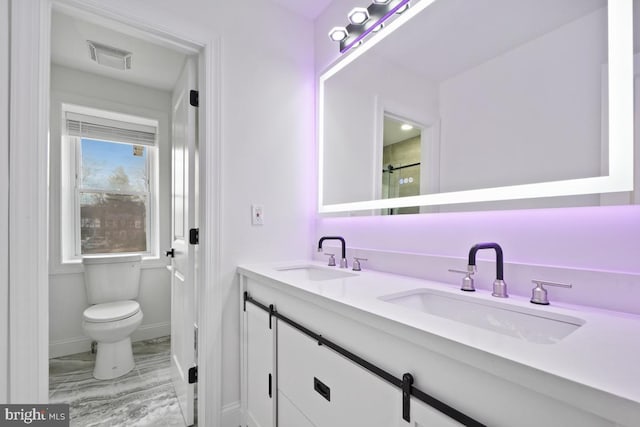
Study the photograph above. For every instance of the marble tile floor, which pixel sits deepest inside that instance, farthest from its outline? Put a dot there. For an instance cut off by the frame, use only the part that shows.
(143, 397)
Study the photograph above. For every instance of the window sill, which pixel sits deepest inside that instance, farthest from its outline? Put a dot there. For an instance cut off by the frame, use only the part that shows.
(75, 266)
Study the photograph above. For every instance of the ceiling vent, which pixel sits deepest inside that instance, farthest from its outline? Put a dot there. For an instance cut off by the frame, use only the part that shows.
(110, 56)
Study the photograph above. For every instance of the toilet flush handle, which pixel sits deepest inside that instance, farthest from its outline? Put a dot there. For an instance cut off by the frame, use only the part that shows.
(171, 253)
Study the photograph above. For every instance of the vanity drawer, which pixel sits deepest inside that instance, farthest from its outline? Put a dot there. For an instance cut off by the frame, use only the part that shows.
(331, 390)
(289, 415)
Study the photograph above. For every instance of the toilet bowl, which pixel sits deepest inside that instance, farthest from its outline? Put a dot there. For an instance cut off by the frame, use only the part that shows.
(110, 325)
(112, 285)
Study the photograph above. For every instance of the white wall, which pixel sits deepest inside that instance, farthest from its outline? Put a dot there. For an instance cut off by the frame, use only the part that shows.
(67, 296)
(268, 149)
(4, 197)
(598, 239)
(267, 128)
(553, 134)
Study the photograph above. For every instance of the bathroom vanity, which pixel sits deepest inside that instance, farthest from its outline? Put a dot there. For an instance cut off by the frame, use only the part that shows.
(324, 346)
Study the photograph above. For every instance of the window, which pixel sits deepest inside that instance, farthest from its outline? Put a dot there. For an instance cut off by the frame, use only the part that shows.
(110, 168)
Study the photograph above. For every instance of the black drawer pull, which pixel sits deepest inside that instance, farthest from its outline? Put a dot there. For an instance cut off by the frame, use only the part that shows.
(322, 389)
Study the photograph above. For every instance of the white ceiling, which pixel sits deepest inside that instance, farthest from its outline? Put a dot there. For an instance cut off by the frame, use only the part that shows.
(152, 65)
(308, 8)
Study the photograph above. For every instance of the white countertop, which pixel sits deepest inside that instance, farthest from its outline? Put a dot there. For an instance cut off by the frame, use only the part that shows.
(602, 356)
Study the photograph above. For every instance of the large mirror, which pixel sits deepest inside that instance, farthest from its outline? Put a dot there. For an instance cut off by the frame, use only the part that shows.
(460, 104)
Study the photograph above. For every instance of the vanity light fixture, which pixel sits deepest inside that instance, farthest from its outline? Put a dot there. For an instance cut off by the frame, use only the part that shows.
(358, 15)
(363, 21)
(337, 34)
(403, 8)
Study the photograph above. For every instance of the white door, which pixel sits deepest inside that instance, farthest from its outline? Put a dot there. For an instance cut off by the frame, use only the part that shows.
(183, 275)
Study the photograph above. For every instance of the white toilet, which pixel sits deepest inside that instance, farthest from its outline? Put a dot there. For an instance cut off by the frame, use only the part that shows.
(112, 286)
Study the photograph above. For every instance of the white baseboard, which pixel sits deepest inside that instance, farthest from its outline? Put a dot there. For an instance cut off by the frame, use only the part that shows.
(81, 344)
(151, 331)
(69, 346)
(231, 415)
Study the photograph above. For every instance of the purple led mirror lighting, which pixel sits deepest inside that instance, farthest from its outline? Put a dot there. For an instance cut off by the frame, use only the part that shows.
(373, 8)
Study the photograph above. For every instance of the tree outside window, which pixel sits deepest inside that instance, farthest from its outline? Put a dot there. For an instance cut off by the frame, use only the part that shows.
(113, 193)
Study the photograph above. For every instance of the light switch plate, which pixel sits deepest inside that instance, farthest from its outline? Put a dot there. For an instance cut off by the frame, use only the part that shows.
(257, 215)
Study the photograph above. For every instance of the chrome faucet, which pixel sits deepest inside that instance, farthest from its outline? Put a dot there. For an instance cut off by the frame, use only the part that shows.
(343, 259)
(499, 286)
(539, 293)
(467, 281)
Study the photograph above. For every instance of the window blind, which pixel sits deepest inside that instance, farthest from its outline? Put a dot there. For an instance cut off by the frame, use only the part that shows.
(91, 127)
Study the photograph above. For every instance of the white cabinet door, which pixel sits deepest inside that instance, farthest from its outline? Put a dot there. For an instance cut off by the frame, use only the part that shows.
(329, 389)
(423, 415)
(289, 415)
(260, 373)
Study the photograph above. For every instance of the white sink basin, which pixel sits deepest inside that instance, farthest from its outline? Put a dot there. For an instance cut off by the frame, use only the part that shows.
(315, 273)
(531, 325)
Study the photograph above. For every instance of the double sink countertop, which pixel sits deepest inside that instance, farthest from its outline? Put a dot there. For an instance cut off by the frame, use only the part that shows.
(584, 356)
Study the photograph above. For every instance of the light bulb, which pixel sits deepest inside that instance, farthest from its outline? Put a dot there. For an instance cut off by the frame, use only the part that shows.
(358, 15)
(337, 34)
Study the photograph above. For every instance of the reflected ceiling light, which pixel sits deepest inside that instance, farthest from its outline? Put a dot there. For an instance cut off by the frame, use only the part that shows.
(363, 21)
(358, 15)
(406, 126)
(337, 34)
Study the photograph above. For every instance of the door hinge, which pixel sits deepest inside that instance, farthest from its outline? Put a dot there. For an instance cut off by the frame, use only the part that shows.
(195, 340)
(194, 98)
(194, 236)
(193, 375)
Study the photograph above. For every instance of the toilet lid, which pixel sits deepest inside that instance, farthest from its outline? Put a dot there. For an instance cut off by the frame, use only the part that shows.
(111, 311)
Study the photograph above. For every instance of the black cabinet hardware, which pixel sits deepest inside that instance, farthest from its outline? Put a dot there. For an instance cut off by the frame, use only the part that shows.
(407, 381)
(405, 384)
(322, 389)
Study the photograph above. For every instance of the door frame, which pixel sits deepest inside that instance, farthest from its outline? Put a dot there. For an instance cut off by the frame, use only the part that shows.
(28, 297)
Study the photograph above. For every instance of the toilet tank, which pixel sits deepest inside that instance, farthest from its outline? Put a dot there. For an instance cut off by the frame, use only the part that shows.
(112, 278)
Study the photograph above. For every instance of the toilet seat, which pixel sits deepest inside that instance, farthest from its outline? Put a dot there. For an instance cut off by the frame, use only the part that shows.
(111, 311)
